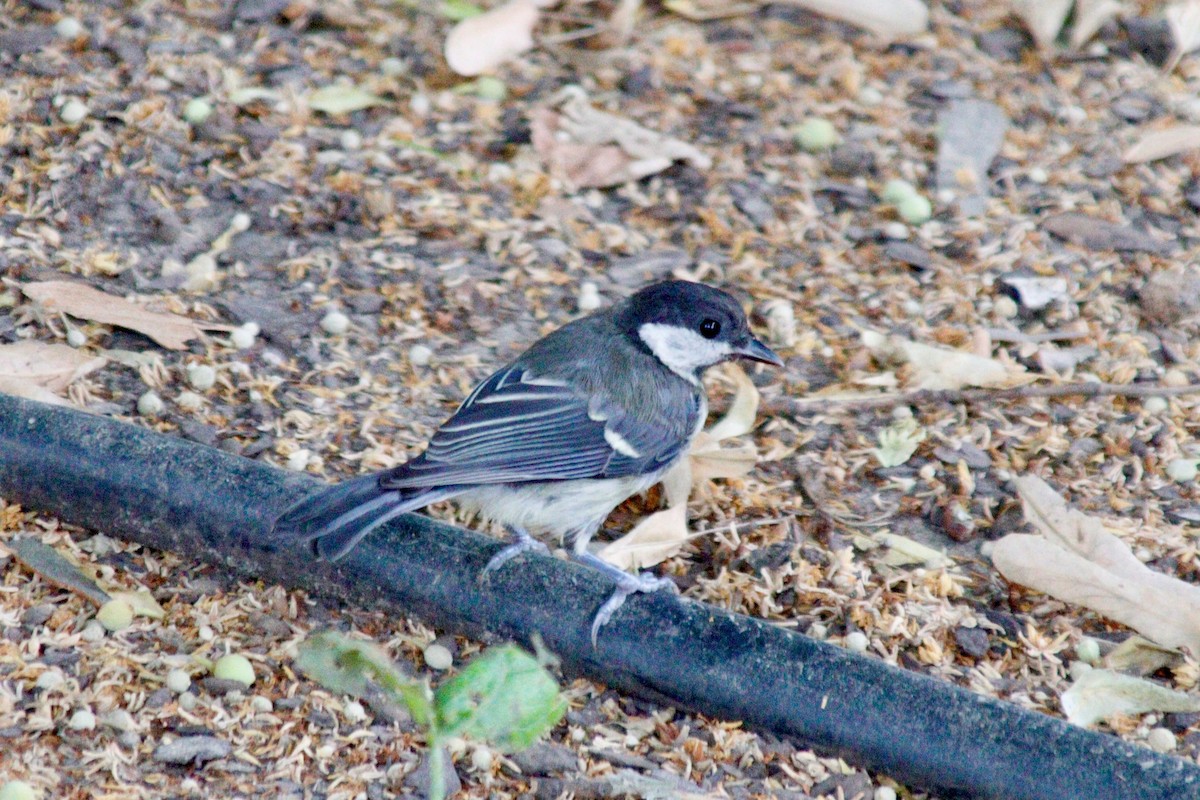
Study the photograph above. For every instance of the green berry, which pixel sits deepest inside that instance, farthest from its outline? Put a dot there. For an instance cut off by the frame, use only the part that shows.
(896, 190)
(915, 210)
(816, 135)
(234, 667)
(115, 615)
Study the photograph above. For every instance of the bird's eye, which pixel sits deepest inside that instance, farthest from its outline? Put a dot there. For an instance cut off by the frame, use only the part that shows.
(710, 328)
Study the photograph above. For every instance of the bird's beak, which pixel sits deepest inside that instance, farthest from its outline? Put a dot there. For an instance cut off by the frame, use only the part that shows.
(757, 351)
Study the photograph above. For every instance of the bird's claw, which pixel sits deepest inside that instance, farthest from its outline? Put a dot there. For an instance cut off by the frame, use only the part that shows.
(626, 585)
(521, 543)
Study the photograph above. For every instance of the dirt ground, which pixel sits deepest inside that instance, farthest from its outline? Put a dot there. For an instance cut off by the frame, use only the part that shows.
(429, 221)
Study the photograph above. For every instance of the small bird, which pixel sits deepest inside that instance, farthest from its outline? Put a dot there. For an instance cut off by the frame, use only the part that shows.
(591, 414)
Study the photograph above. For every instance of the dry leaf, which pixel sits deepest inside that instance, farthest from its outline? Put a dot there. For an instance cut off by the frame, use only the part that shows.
(1101, 693)
(663, 534)
(1184, 21)
(585, 147)
(56, 568)
(40, 371)
(1165, 143)
(342, 99)
(1043, 18)
(932, 367)
(481, 43)
(142, 602)
(1076, 560)
(1139, 656)
(1090, 17)
(708, 10)
(887, 18)
(903, 552)
(80, 300)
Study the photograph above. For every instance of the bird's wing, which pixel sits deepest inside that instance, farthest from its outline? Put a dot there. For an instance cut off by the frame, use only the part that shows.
(516, 427)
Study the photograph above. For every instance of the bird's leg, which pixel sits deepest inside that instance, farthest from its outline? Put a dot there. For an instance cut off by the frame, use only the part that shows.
(521, 542)
(627, 584)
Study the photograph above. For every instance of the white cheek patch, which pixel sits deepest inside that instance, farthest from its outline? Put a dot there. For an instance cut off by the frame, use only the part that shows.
(681, 350)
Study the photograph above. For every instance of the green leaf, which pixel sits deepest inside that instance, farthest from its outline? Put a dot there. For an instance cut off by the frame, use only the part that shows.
(351, 666)
(342, 99)
(504, 697)
(458, 10)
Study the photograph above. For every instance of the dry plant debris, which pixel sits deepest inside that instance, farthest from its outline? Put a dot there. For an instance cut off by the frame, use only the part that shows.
(420, 213)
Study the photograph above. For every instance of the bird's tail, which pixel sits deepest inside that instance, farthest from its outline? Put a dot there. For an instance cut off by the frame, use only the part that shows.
(338, 517)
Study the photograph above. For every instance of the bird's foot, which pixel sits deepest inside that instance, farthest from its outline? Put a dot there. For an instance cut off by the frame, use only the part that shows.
(627, 584)
(521, 542)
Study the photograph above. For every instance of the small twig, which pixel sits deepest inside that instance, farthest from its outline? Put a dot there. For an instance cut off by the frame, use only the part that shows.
(1006, 335)
(922, 397)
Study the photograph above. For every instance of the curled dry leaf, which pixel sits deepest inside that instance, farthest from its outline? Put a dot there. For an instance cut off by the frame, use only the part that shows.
(482, 43)
(933, 367)
(1154, 145)
(1101, 693)
(80, 300)
(905, 552)
(41, 371)
(887, 18)
(585, 147)
(1076, 560)
(662, 535)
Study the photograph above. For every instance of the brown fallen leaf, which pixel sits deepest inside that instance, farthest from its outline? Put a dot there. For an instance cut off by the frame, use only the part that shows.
(663, 534)
(932, 367)
(481, 43)
(1076, 560)
(585, 147)
(42, 371)
(1155, 145)
(1099, 234)
(80, 300)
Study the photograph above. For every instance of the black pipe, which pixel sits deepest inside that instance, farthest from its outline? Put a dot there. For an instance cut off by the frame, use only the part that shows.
(170, 494)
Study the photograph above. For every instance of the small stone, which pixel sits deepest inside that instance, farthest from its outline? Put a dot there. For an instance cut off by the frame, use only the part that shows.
(76, 337)
(335, 323)
(150, 404)
(419, 355)
(82, 720)
(49, 680)
(1088, 651)
(17, 790)
(350, 139)
(69, 28)
(816, 135)
(263, 705)
(896, 231)
(190, 401)
(201, 377)
(972, 641)
(885, 793)
(118, 719)
(93, 631)
(420, 105)
(1155, 405)
(857, 642)
(38, 615)
(188, 701)
(482, 758)
(192, 750)
(1161, 740)
(915, 210)
(243, 337)
(870, 96)
(73, 112)
(393, 67)
(234, 667)
(115, 615)
(298, 460)
(178, 681)
(197, 111)
(1182, 470)
(354, 712)
(439, 657)
(1038, 175)
(1005, 307)
(589, 297)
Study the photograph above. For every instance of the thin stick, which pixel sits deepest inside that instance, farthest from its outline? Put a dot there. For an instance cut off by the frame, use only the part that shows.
(921, 397)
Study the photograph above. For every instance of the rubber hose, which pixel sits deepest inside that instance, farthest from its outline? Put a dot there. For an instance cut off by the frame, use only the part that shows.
(170, 494)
